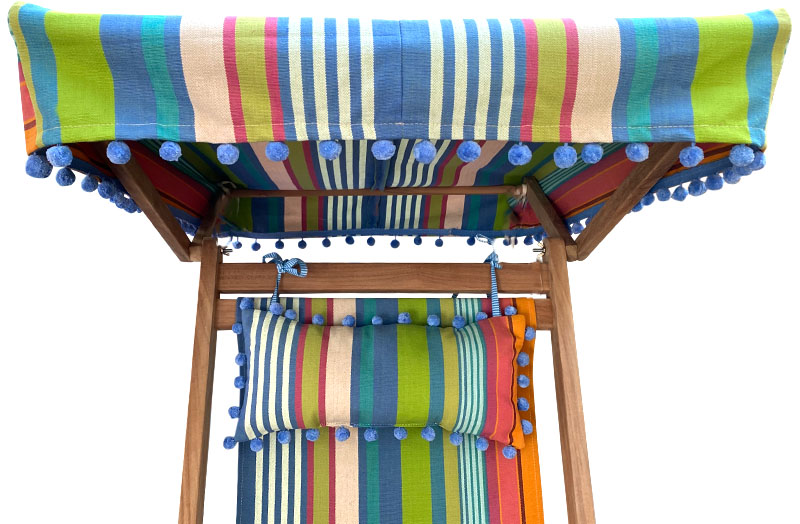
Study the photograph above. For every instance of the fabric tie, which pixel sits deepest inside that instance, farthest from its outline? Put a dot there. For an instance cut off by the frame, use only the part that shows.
(494, 262)
(293, 266)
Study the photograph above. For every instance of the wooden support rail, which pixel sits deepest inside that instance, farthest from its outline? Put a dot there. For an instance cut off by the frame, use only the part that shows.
(389, 191)
(387, 278)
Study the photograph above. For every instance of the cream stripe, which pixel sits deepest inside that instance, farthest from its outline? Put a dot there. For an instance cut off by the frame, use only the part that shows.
(296, 80)
(397, 177)
(284, 484)
(276, 171)
(460, 83)
(343, 74)
(343, 307)
(347, 503)
(285, 396)
(206, 81)
(362, 178)
(259, 392)
(349, 212)
(507, 90)
(411, 166)
(259, 491)
(418, 211)
(293, 213)
(297, 438)
(272, 394)
(598, 65)
(323, 170)
(390, 222)
(469, 171)
(329, 207)
(337, 174)
(437, 80)
(409, 201)
(320, 78)
(367, 81)
(248, 399)
(348, 162)
(484, 77)
(431, 170)
(337, 379)
(454, 211)
(270, 445)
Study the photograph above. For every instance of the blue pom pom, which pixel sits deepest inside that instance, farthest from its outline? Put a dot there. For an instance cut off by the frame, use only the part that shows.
(428, 433)
(576, 228)
(256, 445)
(523, 359)
(241, 359)
(527, 427)
(637, 152)
(395, 244)
(691, 156)
(538, 236)
(302, 244)
(237, 244)
(312, 435)
(433, 320)
(227, 154)
(456, 439)
(506, 242)
(276, 308)
(370, 435)
(648, 199)
(279, 244)
(459, 322)
(284, 437)
(714, 182)
(638, 207)
(509, 452)
(523, 381)
(291, 314)
(229, 443)
(349, 321)
(342, 433)
(233, 411)
(65, 177)
(400, 433)
(377, 320)
(480, 315)
(118, 152)
(759, 161)
(370, 241)
(329, 149)
(742, 155)
(418, 240)
(528, 240)
(522, 404)
(424, 152)
(237, 328)
(239, 382)
(383, 149)
(89, 183)
(697, 187)
(255, 246)
(510, 310)
(59, 156)
(730, 176)
(481, 444)
(565, 156)
(742, 170)
(530, 333)
(404, 318)
(679, 193)
(37, 167)
(276, 151)
(317, 320)
(350, 240)
(118, 199)
(592, 153)
(246, 303)
(439, 242)
(519, 155)
(326, 242)
(468, 151)
(169, 151)
(470, 241)
(107, 189)
(662, 194)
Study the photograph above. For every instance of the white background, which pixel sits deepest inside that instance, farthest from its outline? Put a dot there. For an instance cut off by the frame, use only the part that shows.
(685, 317)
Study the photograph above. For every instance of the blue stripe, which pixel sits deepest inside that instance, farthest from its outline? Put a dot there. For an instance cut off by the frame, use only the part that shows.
(391, 489)
(416, 77)
(473, 78)
(619, 111)
(354, 32)
(671, 114)
(307, 74)
(134, 99)
(496, 89)
(759, 73)
(519, 78)
(245, 509)
(386, 43)
(43, 70)
(172, 49)
(332, 77)
(282, 37)
(449, 48)
(436, 461)
(384, 393)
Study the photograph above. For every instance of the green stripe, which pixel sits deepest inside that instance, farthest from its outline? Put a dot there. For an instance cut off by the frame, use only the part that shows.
(321, 476)
(643, 76)
(551, 83)
(365, 384)
(416, 484)
(92, 81)
(155, 59)
(413, 373)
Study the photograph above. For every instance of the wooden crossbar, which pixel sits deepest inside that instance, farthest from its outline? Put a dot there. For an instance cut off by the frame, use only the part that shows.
(389, 191)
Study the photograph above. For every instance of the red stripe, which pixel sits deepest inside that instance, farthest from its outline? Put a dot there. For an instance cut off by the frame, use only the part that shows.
(298, 377)
(531, 80)
(571, 80)
(234, 94)
(443, 213)
(508, 488)
(492, 481)
(329, 304)
(332, 478)
(273, 82)
(490, 429)
(323, 364)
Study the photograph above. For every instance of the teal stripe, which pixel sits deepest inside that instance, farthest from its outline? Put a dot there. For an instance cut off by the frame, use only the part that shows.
(436, 376)
(643, 77)
(438, 496)
(366, 386)
(155, 58)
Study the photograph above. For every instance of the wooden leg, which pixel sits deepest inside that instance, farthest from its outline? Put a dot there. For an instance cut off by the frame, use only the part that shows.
(195, 458)
(574, 453)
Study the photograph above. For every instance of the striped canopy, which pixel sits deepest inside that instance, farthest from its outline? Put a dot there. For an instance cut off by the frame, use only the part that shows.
(247, 81)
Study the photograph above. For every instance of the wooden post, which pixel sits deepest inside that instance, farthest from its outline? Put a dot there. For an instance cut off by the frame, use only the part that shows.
(198, 422)
(574, 453)
(548, 217)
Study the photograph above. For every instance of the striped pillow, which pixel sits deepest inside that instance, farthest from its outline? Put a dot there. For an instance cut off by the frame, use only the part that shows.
(308, 376)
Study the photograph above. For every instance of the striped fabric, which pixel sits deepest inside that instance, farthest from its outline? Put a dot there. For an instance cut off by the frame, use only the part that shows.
(389, 481)
(307, 376)
(235, 79)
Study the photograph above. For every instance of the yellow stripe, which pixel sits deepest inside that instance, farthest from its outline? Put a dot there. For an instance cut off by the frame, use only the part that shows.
(551, 82)
(296, 80)
(252, 70)
(25, 60)
(507, 89)
(437, 80)
(284, 484)
(484, 77)
(320, 79)
(343, 70)
(450, 365)
(367, 82)
(460, 83)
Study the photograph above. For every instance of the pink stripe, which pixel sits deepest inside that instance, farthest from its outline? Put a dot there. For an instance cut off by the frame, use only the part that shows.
(571, 86)
(273, 82)
(234, 94)
(531, 80)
